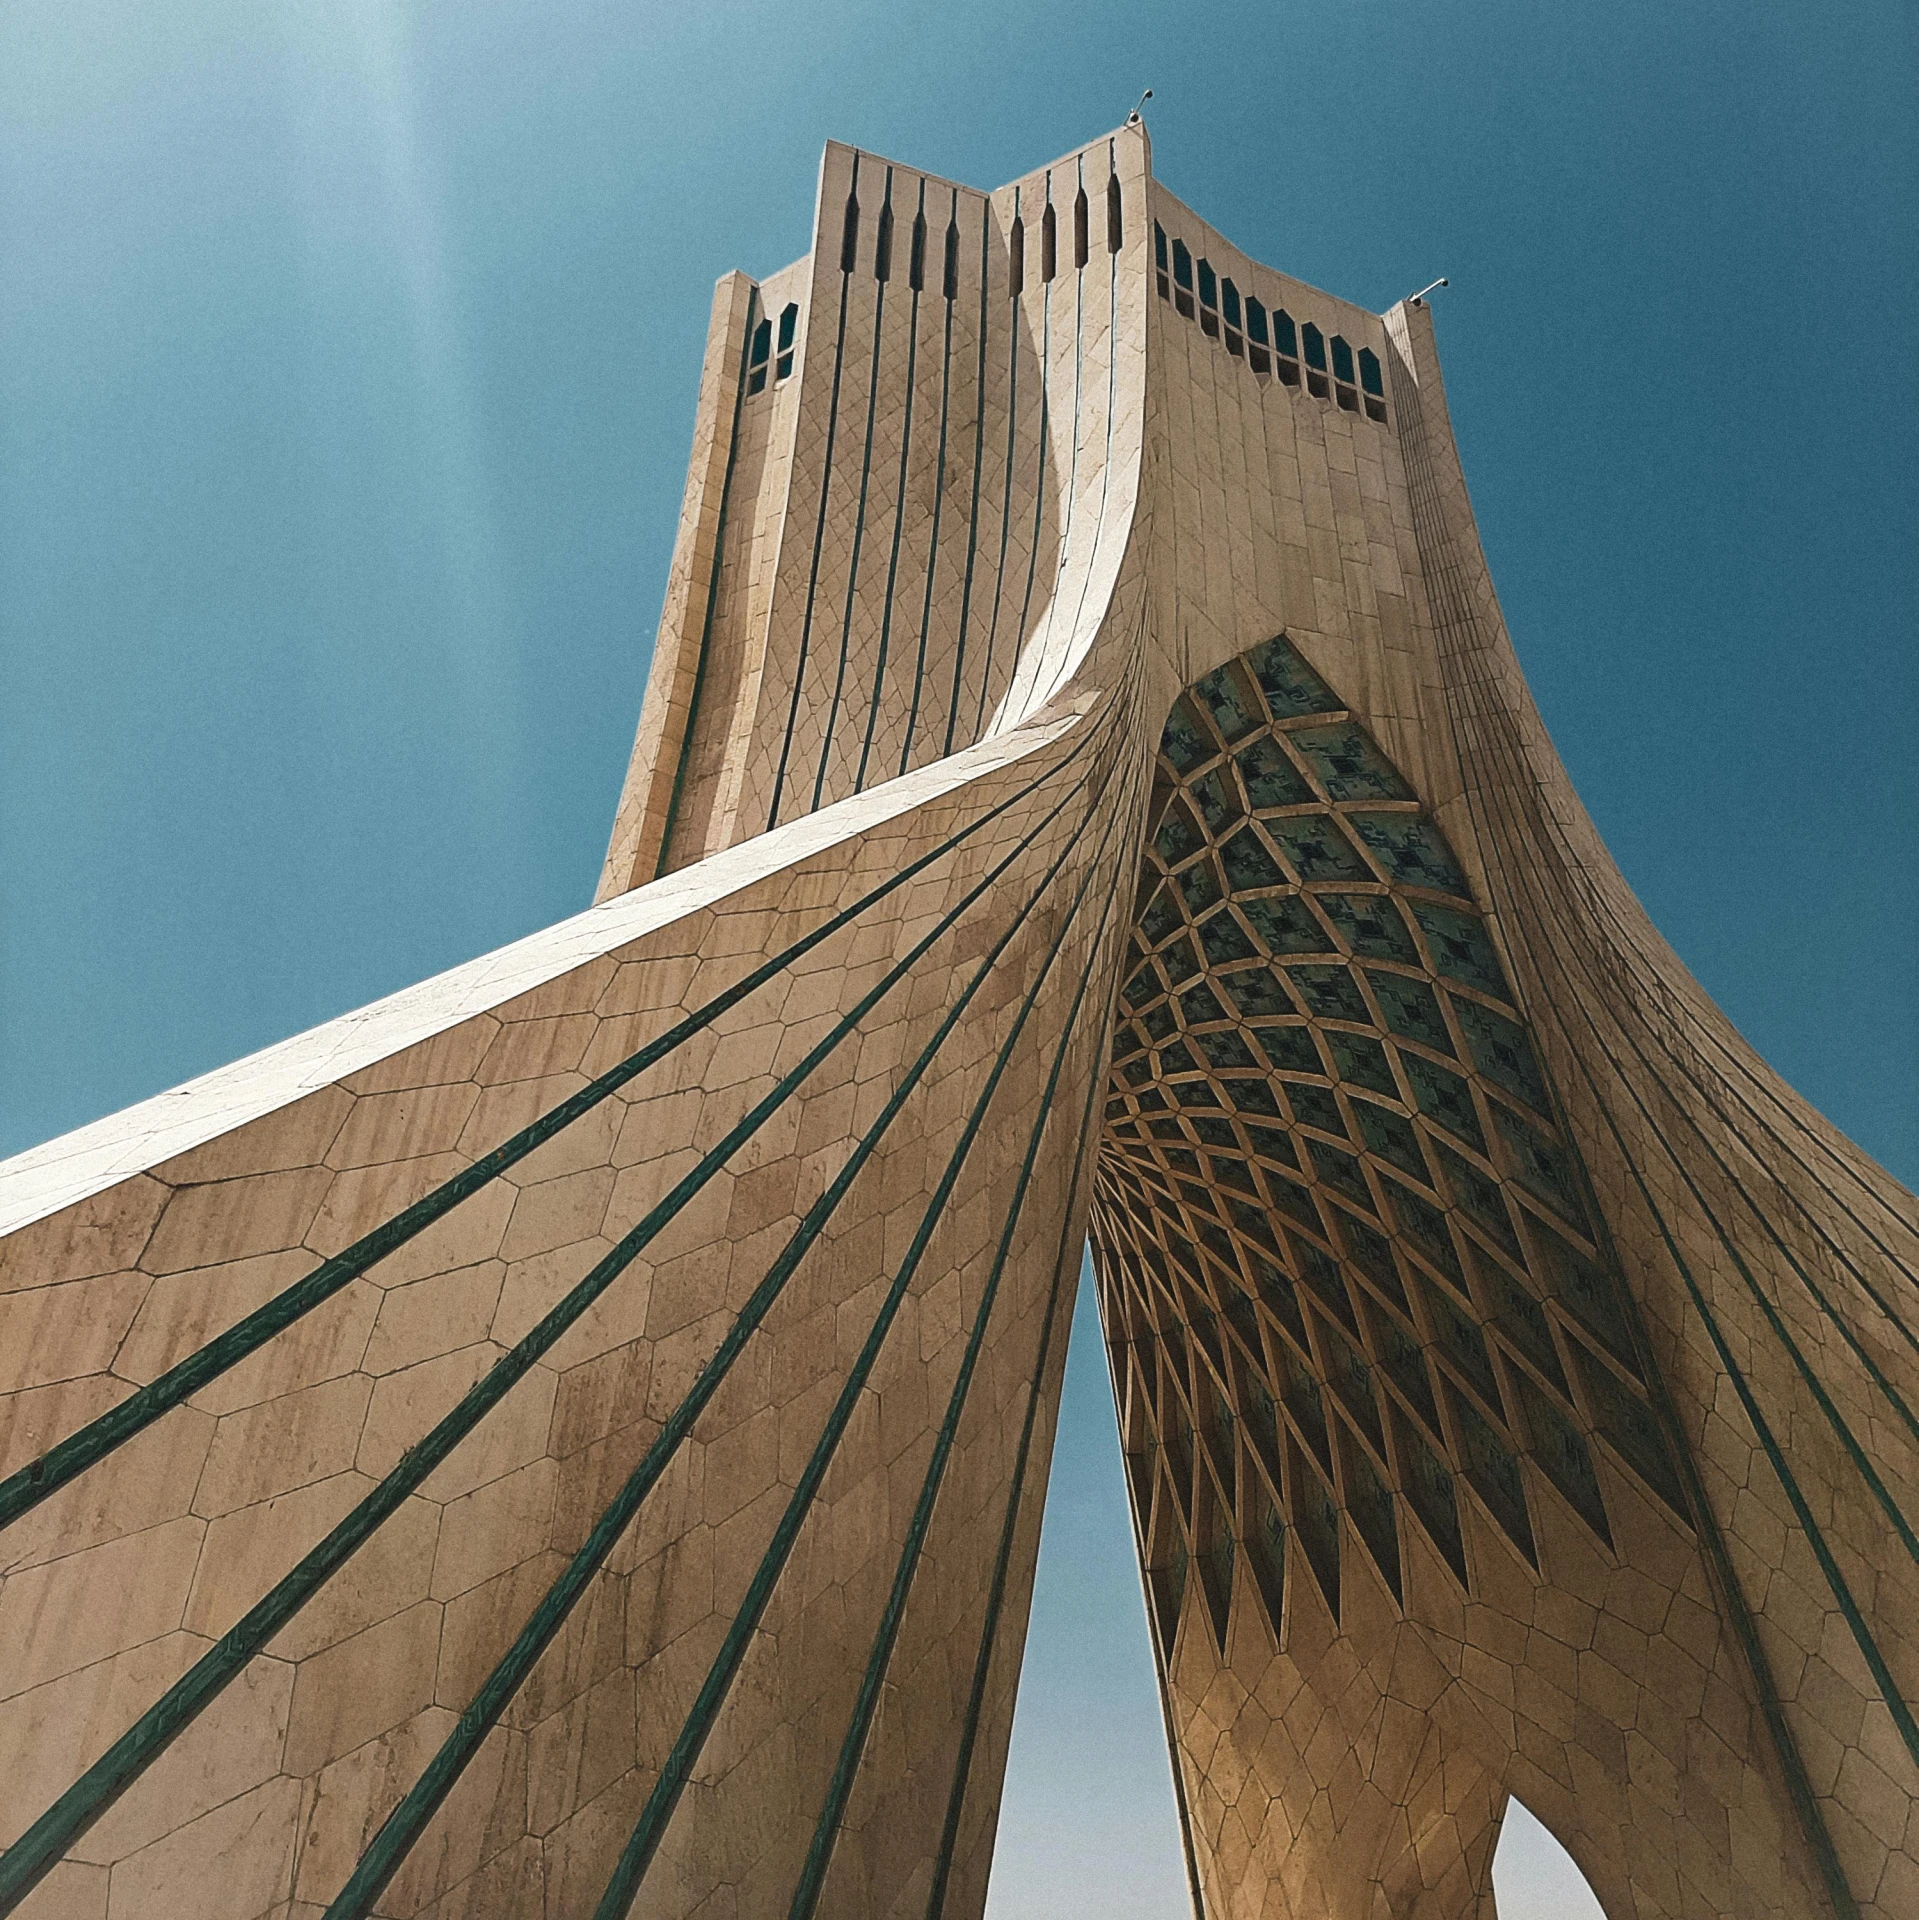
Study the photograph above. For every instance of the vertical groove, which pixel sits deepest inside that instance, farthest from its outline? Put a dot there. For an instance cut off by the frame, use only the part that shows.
(859, 519)
(819, 536)
(939, 504)
(712, 595)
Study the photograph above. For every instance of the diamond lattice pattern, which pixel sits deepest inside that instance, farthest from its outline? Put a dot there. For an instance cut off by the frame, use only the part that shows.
(1346, 1259)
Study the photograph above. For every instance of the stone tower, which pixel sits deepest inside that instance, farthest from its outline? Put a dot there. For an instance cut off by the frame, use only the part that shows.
(570, 1438)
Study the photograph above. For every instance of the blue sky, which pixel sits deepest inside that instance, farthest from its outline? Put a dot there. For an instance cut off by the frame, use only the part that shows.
(347, 362)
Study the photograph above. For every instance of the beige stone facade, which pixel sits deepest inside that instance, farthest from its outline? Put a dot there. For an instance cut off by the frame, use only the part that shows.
(570, 1439)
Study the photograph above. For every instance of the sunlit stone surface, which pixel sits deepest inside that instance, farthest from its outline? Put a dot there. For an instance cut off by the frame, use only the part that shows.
(570, 1439)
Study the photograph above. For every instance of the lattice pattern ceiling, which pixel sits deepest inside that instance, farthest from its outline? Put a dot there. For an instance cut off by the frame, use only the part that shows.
(1345, 1258)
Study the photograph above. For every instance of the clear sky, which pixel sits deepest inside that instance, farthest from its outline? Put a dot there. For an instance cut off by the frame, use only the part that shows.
(347, 365)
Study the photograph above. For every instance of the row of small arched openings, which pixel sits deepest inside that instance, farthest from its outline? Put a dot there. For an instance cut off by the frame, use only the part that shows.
(1269, 343)
(1049, 238)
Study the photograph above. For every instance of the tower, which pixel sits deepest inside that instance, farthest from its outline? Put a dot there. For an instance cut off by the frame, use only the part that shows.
(570, 1437)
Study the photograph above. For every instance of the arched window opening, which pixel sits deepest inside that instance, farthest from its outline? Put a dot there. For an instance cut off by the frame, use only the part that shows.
(1533, 1873)
(1371, 384)
(1080, 248)
(789, 325)
(883, 246)
(1182, 279)
(1343, 388)
(916, 256)
(850, 235)
(950, 285)
(1257, 356)
(1115, 219)
(1229, 307)
(1016, 257)
(1208, 302)
(756, 360)
(1315, 342)
(1048, 243)
(1159, 261)
(1285, 347)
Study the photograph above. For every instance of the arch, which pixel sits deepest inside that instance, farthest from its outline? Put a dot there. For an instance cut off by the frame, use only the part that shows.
(1080, 236)
(1229, 307)
(789, 326)
(1182, 279)
(883, 245)
(916, 254)
(1048, 243)
(949, 284)
(1159, 262)
(1016, 257)
(1115, 217)
(1208, 301)
(1534, 1877)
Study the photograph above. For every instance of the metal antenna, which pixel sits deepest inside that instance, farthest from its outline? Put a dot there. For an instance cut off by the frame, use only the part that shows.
(1419, 299)
(1143, 98)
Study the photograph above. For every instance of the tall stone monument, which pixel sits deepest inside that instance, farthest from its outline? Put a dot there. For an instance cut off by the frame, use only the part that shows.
(570, 1439)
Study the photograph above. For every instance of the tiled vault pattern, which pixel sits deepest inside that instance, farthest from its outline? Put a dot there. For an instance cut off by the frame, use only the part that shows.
(568, 1440)
(1342, 1246)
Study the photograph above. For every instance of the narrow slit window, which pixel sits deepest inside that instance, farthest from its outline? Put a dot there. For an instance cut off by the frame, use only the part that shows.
(1159, 261)
(756, 360)
(916, 259)
(789, 326)
(1115, 216)
(1229, 307)
(1343, 389)
(1371, 384)
(1315, 343)
(951, 285)
(1182, 279)
(883, 245)
(850, 235)
(1080, 236)
(1285, 347)
(1208, 302)
(1048, 243)
(1016, 257)
(1257, 356)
